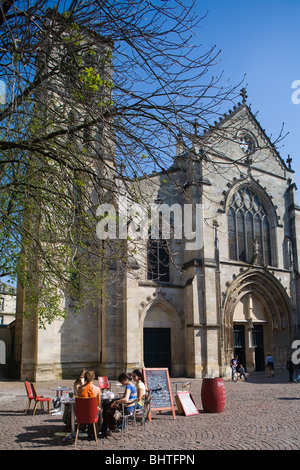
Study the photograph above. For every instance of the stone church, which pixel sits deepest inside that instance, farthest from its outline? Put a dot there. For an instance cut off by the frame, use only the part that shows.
(235, 292)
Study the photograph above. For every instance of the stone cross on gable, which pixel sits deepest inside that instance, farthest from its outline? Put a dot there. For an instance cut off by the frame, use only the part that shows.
(244, 94)
(289, 161)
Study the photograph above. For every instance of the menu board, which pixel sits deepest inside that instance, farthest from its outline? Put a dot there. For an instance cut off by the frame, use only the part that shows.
(186, 404)
(157, 382)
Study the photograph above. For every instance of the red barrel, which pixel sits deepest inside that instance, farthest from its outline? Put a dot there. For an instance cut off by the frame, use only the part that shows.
(213, 395)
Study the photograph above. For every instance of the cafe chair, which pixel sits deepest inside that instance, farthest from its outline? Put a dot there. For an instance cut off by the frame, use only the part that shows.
(144, 411)
(103, 383)
(29, 395)
(128, 417)
(86, 412)
(39, 399)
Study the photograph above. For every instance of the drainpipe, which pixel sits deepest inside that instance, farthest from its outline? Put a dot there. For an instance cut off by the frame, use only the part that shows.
(219, 297)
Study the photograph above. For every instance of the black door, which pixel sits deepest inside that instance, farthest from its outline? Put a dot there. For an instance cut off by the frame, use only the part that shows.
(239, 343)
(258, 344)
(157, 347)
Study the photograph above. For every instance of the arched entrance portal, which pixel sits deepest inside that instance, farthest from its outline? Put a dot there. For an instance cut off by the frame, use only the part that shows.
(161, 337)
(250, 338)
(157, 338)
(257, 319)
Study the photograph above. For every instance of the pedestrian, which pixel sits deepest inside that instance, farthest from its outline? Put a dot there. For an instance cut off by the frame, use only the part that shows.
(297, 369)
(233, 365)
(270, 365)
(242, 372)
(290, 367)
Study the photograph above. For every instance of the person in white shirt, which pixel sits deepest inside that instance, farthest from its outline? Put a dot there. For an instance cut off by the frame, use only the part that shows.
(140, 386)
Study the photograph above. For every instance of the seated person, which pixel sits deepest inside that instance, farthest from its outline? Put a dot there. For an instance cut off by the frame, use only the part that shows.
(79, 382)
(110, 406)
(140, 386)
(88, 389)
(130, 392)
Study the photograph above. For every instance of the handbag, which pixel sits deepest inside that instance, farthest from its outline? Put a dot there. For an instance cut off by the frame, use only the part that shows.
(56, 403)
(117, 415)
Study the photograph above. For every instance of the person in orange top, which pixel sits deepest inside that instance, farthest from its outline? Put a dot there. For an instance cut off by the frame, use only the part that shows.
(88, 389)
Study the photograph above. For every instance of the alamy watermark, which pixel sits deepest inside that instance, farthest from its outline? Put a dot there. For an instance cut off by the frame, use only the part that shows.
(295, 358)
(296, 93)
(136, 221)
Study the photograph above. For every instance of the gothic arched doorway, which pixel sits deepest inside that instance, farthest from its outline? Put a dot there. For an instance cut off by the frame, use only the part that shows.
(161, 333)
(257, 319)
(157, 338)
(250, 327)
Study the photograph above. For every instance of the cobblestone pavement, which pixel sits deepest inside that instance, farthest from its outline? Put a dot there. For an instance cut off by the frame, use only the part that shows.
(260, 414)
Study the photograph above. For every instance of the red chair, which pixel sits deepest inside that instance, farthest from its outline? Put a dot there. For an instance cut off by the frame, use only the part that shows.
(39, 399)
(103, 383)
(86, 412)
(29, 395)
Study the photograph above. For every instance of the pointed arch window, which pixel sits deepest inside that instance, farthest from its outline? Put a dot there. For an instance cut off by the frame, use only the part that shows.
(158, 261)
(248, 223)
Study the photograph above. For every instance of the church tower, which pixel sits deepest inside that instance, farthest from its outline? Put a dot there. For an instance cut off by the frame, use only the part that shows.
(73, 109)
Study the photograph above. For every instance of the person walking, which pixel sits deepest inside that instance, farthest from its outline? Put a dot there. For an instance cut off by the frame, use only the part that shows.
(233, 365)
(270, 365)
(290, 367)
(242, 372)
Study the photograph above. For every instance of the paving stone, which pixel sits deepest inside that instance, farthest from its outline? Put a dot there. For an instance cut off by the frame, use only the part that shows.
(260, 414)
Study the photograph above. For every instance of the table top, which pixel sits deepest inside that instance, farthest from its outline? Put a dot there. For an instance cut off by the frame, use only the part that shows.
(64, 389)
(109, 396)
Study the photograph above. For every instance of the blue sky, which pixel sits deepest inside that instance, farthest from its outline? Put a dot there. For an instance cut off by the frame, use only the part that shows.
(262, 40)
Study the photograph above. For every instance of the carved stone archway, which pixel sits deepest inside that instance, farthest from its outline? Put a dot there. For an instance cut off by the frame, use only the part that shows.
(169, 314)
(263, 286)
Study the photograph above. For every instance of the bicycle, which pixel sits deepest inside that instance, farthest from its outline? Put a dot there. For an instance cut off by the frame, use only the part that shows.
(235, 374)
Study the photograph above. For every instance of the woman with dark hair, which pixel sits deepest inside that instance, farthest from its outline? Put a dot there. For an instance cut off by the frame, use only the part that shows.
(140, 387)
(130, 392)
(109, 408)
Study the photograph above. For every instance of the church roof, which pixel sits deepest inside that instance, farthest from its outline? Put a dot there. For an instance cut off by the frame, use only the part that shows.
(231, 113)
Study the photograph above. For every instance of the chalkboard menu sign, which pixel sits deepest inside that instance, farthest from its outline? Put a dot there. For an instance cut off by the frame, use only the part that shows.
(157, 382)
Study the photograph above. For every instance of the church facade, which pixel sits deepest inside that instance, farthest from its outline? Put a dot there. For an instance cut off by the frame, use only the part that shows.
(192, 306)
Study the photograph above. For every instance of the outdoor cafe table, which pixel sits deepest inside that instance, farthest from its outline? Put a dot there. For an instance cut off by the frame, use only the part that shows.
(71, 402)
(105, 400)
(71, 434)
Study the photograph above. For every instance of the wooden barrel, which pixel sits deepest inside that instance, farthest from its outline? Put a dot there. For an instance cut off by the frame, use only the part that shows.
(213, 395)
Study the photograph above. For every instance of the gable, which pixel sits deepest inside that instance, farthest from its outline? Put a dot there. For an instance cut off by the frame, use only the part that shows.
(239, 138)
